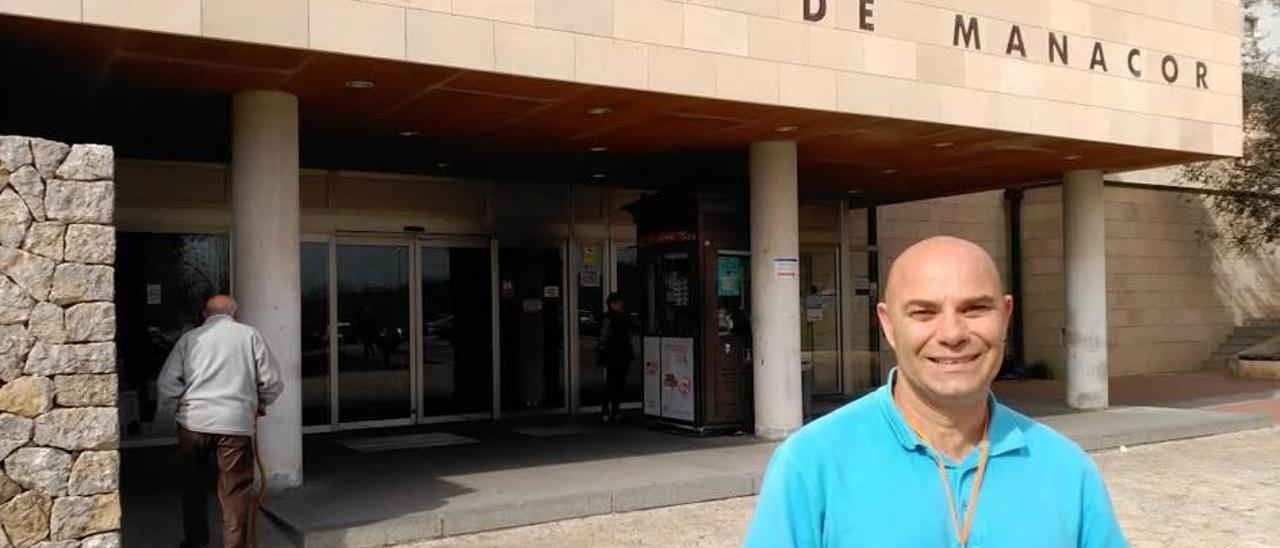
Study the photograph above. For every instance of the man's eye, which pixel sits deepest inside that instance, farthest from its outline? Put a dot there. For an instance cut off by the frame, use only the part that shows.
(976, 310)
(921, 314)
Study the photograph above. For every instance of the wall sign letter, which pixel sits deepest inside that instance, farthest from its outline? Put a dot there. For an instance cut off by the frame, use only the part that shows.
(971, 37)
(1015, 42)
(1099, 59)
(1059, 47)
(810, 14)
(1169, 63)
(864, 16)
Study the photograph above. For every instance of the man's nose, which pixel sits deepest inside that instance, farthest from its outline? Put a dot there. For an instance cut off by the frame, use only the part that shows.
(952, 329)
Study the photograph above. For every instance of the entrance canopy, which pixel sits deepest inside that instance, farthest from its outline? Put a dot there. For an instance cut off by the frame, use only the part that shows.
(889, 100)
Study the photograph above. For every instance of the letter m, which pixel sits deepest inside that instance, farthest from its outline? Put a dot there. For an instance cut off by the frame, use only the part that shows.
(969, 32)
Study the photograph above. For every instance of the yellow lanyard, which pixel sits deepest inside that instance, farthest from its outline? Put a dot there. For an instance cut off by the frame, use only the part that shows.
(961, 534)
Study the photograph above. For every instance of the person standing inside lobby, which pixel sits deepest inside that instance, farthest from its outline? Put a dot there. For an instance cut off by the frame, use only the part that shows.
(931, 458)
(219, 378)
(616, 355)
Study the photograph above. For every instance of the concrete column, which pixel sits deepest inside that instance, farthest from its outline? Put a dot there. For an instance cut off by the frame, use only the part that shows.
(1085, 265)
(775, 295)
(265, 261)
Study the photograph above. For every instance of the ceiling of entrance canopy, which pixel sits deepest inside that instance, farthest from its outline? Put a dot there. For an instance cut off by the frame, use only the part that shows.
(168, 97)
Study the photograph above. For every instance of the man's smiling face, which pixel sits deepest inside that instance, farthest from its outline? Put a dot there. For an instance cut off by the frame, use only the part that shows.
(945, 317)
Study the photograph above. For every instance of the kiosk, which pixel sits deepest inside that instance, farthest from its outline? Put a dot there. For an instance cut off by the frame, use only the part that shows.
(695, 316)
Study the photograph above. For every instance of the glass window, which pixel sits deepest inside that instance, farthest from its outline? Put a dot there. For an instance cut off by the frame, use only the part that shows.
(162, 281)
(315, 333)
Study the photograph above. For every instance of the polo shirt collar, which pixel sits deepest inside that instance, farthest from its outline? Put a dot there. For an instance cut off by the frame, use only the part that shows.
(1005, 433)
(217, 318)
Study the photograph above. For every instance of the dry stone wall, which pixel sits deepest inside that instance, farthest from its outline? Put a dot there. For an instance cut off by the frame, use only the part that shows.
(59, 432)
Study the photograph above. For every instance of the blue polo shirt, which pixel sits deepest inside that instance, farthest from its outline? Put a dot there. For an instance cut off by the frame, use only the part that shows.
(861, 477)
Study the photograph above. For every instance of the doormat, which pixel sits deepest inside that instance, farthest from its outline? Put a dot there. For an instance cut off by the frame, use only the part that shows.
(379, 444)
(556, 430)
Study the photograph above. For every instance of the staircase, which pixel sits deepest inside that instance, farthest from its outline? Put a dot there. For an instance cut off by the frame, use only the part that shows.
(1252, 332)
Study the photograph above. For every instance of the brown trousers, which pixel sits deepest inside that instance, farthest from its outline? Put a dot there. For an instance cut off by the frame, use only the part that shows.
(234, 457)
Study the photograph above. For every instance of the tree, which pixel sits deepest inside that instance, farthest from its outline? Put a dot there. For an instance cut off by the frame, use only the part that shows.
(1245, 191)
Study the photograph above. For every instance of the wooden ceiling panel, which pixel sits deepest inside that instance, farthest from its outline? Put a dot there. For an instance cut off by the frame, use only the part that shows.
(322, 85)
(526, 88)
(448, 113)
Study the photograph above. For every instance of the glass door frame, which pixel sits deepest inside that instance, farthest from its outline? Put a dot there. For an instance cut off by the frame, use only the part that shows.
(369, 239)
(834, 250)
(331, 300)
(419, 367)
(568, 359)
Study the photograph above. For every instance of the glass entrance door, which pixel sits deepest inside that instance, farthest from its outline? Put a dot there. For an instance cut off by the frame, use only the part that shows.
(531, 304)
(820, 319)
(456, 299)
(374, 347)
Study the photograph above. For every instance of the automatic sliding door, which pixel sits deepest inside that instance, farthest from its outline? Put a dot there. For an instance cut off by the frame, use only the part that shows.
(457, 345)
(374, 332)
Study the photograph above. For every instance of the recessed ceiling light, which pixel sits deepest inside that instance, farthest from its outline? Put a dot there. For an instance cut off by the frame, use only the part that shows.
(1072, 157)
(598, 149)
(944, 144)
(443, 165)
(598, 111)
(410, 133)
(855, 191)
(786, 129)
(360, 84)
(598, 176)
(889, 171)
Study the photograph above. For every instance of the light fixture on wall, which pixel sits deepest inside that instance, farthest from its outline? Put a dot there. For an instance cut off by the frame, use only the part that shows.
(443, 165)
(598, 149)
(786, 129)
(598, 176)
(944, 144)
(410, 133)
(599, 111)
(1072, 157)
(889, 171)
(360, 85)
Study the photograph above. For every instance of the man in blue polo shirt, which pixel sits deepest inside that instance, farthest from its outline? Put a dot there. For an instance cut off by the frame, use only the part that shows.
(931, 459)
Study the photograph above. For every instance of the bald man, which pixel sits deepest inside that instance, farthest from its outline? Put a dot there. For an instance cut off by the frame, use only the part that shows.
(931, 459)
(218, 379)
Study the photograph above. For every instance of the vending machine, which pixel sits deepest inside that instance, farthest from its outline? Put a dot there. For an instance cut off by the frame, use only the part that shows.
(695, 316)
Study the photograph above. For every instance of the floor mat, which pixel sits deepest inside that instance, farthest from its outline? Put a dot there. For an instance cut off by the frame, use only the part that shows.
(377, 444)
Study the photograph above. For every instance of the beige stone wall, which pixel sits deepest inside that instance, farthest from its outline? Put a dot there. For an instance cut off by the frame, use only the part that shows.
(978, 217)
(909, 66)
(60, 479)
(1172, 297)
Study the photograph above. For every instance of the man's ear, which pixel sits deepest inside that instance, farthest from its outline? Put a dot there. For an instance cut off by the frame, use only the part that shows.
(886, 325)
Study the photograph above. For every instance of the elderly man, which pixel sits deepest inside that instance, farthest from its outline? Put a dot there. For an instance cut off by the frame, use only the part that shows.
(218, 379)
(931, 459)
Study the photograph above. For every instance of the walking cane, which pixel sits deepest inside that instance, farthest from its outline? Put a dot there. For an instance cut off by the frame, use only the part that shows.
(262, 486)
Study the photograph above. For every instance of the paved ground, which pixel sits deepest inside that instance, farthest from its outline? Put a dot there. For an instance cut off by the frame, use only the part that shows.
(1221, 491)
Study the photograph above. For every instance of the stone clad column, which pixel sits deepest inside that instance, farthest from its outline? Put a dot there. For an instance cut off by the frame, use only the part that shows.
(265, 260)
(1085, 267)
(775, 296)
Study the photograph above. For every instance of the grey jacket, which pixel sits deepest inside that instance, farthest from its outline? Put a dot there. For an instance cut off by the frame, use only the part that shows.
(218, 376)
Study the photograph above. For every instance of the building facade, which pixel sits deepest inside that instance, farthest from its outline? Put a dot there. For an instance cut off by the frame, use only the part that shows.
(420, 203)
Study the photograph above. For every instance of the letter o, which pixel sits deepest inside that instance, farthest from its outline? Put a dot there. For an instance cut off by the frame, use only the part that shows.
(1164, 68)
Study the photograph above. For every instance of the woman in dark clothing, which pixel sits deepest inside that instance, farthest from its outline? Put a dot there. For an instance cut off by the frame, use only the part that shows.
(615, 355)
